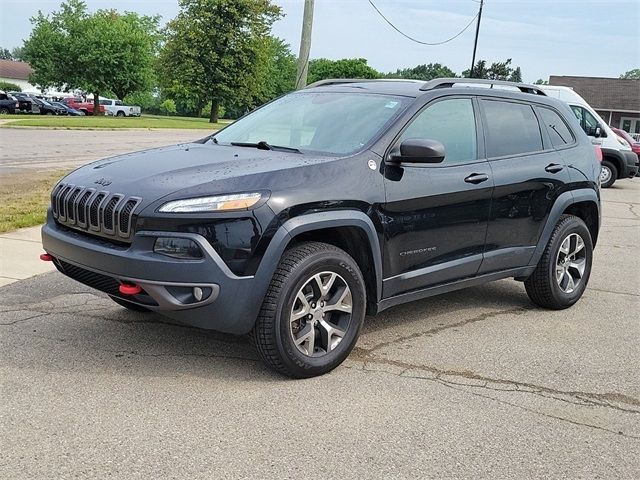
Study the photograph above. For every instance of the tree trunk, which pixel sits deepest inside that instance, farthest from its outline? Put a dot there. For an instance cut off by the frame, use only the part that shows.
(96, 104)
(215, 106)
(199, 107)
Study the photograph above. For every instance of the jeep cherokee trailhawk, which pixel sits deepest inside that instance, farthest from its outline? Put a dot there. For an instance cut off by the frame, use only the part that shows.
(342, 199)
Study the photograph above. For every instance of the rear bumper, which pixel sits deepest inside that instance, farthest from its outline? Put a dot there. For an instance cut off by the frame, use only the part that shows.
(230, 303)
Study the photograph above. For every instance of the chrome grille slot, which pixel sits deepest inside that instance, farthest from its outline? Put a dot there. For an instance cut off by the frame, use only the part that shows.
(98, 212)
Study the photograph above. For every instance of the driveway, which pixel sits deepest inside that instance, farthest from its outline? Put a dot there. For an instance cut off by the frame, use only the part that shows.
(25, 149)
(472, 384)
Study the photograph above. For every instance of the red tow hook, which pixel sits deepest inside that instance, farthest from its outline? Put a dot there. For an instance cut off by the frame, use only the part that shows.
(45, 257)
(129, 289)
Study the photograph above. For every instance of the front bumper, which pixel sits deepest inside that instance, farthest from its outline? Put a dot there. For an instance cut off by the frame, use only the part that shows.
(632, 164)
(230, 304)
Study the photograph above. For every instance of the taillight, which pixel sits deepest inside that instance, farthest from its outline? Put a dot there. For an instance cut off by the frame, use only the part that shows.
(598, 153)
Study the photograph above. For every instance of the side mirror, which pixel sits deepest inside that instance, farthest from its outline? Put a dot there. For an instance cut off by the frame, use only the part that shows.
(597, 132)
(419, 150)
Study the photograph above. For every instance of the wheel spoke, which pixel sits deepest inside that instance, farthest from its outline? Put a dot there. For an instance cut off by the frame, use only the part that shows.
(306, 339)
(566, 246)
(324, 285)
(571, 285)
(343, 302)
(579, 245)
(578, 266)
(331, 335)
(304, 309)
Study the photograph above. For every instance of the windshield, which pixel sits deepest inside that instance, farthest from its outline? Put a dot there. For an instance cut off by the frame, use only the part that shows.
(337, 123)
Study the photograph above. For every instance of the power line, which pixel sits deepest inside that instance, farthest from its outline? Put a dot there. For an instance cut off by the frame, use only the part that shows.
(415, 39)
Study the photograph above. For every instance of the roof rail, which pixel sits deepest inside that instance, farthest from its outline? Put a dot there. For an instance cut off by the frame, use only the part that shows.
(450, 82)
(338, 81)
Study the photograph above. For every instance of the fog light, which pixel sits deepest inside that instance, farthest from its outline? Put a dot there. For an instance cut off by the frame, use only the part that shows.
(197, 293)
(177, 248)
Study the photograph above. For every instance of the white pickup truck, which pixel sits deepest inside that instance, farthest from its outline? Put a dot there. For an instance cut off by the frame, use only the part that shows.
(119, 109)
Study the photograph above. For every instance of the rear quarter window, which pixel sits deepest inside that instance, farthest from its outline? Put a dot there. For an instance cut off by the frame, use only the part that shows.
(559, 133)
(511, 128)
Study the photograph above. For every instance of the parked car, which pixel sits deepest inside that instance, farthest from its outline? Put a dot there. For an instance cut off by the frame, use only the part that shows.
(25, 102)
(345, 198)
(78, 103)
(46, 108)
(618, 159)
(8, 103)
(626, 136)
(67, 108)
(119, 109)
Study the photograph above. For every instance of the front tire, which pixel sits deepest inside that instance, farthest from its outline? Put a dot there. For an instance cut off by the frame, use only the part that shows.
(312, 313)
(563, 272)
(608, 174)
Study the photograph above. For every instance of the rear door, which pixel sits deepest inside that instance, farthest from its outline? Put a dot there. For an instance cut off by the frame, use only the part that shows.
(528, 173)
(435, 216)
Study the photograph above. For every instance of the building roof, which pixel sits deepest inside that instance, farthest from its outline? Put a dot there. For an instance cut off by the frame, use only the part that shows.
(15, 70)
(603, 93)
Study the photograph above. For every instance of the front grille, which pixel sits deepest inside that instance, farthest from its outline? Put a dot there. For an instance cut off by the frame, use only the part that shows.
(94, 211)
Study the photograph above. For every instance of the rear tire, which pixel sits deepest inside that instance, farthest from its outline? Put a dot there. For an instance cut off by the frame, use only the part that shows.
(563, 272)
(129, 305)
(4, 111)
(120, 114)
(608, 174)
(312, 313)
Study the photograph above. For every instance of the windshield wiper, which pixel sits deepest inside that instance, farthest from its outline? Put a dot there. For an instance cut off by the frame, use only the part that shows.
(262, 145)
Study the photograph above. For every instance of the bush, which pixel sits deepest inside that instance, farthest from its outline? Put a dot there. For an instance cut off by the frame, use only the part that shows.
(10, 87)
(168, 107)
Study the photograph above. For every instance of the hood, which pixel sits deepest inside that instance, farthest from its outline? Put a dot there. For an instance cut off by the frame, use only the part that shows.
(206, 168)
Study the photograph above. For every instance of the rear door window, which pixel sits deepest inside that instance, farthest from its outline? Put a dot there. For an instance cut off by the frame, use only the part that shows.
(511, 128)
(557, 129)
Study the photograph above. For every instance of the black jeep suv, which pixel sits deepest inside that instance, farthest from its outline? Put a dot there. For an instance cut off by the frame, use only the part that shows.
(336, 201)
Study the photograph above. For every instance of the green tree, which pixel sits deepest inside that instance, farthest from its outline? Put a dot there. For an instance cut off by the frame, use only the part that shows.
(323, 68)
(496, 71)
(103, 53)
(632, 74)
(541, 82)
(5, 54)
(423, 72)
(215, 50)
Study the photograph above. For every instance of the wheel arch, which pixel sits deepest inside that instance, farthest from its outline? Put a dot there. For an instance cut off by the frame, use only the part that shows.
(351, 231)
(584, 203)
(615, 157)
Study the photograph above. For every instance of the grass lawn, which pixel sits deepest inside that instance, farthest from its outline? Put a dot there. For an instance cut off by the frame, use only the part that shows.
(24, 198)
(145, 121)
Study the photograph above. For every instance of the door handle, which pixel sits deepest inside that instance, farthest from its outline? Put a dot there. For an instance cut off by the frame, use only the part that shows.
(553, 168)
(476, 178)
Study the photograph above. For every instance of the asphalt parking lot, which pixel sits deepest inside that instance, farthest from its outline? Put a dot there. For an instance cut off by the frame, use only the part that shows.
(475, 383)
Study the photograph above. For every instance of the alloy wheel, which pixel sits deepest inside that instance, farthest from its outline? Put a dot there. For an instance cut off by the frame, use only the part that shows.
(321, 314)
(570, 263)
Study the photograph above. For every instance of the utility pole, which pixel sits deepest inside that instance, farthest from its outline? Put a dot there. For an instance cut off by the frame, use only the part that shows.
(475, 43)
(305, 45)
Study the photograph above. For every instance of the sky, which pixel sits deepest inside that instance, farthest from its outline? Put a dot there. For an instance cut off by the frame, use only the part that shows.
(598, 38)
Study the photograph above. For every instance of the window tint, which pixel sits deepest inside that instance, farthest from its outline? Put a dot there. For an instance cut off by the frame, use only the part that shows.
(512, 128)
(558, 131)
(452, 123)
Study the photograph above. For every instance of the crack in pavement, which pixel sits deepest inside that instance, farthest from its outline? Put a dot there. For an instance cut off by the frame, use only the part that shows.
(548, 415)
(614, 292)
(440, 328)
(121, 353)
(633, 212)
(608, 400)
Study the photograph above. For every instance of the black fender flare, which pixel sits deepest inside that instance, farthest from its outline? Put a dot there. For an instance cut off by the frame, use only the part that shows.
(563, 201)
(317, 221)
(619, 159)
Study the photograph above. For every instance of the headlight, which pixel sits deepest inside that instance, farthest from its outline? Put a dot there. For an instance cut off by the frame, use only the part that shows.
(219, 203)
(622, 141)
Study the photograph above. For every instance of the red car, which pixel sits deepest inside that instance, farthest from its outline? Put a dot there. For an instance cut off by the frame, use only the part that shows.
(635, 145)
(78, 104)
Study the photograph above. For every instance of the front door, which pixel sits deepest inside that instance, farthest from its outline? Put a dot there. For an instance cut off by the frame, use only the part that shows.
(435, 216)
